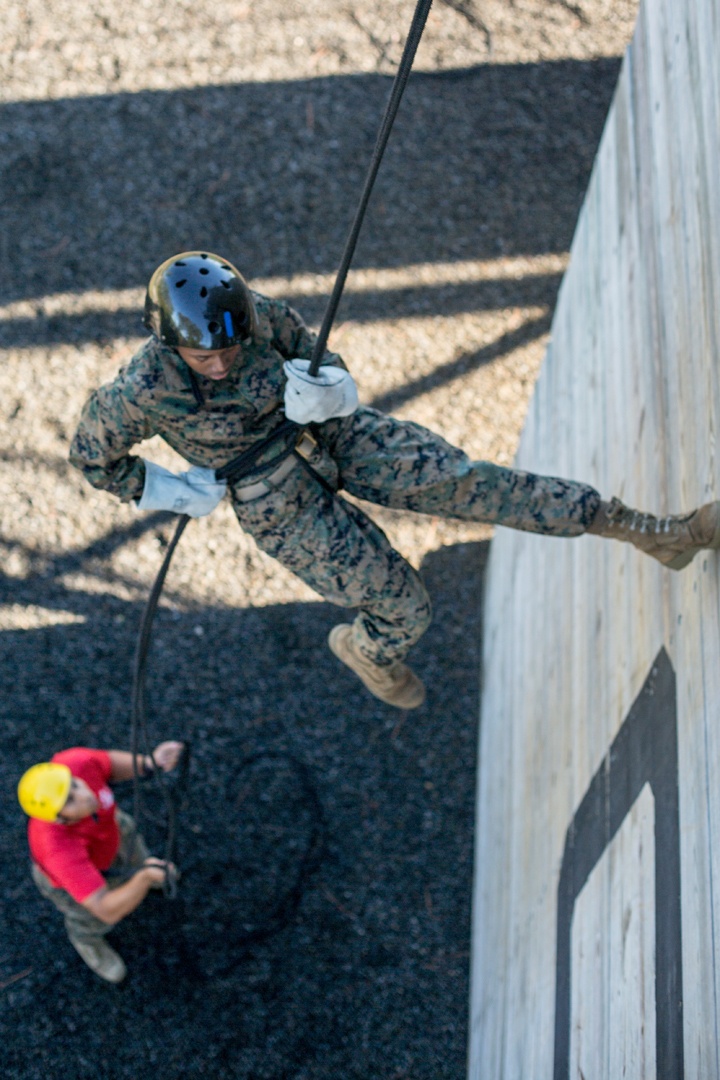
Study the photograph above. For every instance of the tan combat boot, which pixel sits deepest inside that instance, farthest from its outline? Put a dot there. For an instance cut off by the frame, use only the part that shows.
(101, 959)
(673, 541)
(395, 684)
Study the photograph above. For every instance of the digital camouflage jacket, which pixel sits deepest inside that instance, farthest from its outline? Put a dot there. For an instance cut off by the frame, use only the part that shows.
(154, 395)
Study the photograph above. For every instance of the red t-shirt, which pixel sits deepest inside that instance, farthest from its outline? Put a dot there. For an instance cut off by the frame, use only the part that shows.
(73, 856)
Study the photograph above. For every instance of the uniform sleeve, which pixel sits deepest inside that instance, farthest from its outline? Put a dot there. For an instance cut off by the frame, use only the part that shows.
(292, 338)
(110, 424)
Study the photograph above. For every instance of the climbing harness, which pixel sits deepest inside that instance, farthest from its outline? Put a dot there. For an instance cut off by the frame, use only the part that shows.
(287, 432)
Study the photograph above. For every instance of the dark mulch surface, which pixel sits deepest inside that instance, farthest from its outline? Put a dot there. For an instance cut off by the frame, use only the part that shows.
(322, 925)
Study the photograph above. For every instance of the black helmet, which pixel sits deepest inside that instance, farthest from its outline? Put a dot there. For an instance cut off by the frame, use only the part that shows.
(198, 301)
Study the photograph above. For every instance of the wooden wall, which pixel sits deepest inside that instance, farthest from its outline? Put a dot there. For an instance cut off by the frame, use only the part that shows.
(596, 918)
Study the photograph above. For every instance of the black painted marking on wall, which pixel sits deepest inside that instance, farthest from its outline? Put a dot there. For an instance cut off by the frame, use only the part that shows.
(644, 751)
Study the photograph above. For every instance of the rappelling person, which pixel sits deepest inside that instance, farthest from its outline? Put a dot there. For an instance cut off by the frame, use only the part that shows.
(223, 367)
(87, 856)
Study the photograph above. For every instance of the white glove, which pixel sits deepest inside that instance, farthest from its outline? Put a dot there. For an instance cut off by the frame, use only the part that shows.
(195, 492)
(316, 398)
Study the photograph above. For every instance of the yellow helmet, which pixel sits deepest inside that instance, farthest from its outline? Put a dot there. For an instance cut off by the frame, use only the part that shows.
(43, 790)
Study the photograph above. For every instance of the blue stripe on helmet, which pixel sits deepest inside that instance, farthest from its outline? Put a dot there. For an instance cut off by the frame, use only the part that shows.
(228, 324)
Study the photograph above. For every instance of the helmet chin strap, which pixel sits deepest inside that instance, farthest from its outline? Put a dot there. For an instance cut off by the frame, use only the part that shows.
(197, 392)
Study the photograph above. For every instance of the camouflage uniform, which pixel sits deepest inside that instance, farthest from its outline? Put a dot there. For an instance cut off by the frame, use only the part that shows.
(326, 540)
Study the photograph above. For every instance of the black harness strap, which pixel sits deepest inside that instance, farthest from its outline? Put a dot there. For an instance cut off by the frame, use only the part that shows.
(241, 465)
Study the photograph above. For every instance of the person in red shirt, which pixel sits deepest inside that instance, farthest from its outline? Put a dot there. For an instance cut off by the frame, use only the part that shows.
(88, 858)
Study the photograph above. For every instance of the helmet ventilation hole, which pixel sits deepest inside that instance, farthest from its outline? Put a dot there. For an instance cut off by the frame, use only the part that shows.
(213, 327)
(225, 284)
(179, 284)
(203, 291)
(204, 270)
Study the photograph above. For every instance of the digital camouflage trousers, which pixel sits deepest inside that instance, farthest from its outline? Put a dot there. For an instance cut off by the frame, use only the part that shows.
(334, 547)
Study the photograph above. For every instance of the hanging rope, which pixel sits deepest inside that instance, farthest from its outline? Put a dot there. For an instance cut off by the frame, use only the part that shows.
(417, 26)
(242, 464)
(138, 713)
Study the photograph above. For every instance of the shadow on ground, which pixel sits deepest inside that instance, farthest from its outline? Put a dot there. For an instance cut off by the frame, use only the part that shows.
(322, 926)
(482, 163)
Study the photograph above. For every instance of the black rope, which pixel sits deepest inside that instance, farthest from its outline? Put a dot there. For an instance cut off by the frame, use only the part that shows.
(211, 945)
(197, 392)
(241, 465)
(417, 26)
(138, 712)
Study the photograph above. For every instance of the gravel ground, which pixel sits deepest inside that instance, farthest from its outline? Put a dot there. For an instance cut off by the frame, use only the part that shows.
(322, 927)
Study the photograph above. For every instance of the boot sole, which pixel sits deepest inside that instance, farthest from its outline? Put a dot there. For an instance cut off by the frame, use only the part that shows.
(681, 561)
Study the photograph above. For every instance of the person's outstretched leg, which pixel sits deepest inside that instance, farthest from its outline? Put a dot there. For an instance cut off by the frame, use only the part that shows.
(405, 466)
